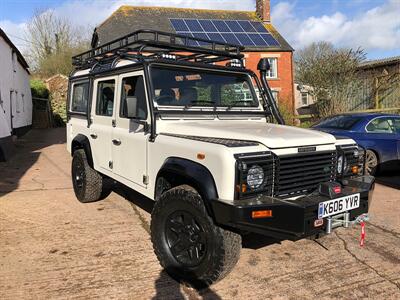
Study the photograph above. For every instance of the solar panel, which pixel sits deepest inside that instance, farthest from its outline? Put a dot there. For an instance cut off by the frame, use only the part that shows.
(194, 25)
(230, 38)
(237, 32)
(234, 26)
(208, 26)
(201, 35)
(190, 42)
(244, 39)
(221, 26)
(216, 37)
(259, 27)
(247, 27)
(270, 40)
(179, 25)
(257, 39)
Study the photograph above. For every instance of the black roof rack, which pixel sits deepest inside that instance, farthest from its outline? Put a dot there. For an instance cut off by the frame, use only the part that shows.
(143, 44)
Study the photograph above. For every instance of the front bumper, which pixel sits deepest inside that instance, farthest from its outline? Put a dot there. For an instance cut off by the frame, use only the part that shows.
(291, 219)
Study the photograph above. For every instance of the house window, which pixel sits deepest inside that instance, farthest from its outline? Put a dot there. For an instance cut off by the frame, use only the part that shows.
(304, 98)
(273, 71)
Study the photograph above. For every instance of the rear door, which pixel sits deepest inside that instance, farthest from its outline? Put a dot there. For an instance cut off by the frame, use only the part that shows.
(130, 138)
(103, 114)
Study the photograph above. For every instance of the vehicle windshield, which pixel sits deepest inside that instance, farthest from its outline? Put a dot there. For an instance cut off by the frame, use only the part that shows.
(195, 87)
(338, 122)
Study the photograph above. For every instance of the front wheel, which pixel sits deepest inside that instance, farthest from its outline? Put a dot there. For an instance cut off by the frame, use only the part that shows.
(371, 163)
(188, 244)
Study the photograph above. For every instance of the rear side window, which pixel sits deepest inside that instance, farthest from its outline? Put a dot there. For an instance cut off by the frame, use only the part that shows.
(339, 122)
(384, 125)
(80, 95)
(105, 98)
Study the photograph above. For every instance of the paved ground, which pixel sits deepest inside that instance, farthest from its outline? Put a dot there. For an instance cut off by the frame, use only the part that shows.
(53, 247)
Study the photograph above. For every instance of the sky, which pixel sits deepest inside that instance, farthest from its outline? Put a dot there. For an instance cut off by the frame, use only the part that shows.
(373, 25)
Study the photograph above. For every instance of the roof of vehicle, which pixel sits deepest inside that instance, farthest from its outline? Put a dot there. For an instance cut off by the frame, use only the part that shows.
(130, 18)
(364, 114)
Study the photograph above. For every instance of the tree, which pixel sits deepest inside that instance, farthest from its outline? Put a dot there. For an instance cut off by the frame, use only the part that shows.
(54, 40)
(332, 74)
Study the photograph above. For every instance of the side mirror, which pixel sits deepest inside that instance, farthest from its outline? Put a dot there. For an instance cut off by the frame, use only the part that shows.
(263, 65)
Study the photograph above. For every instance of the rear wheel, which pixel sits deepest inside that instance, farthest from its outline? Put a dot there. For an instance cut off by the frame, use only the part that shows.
(371, 163)
(89, 185)
(188, 244)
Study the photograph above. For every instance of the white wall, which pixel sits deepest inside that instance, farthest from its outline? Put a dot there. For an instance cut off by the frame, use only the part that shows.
(13, 78)
(298, 98)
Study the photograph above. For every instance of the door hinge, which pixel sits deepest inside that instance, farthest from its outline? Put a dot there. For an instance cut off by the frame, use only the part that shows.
(110, 164)
(145, 179)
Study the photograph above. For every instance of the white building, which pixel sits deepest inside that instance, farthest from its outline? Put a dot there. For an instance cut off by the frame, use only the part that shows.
(15, 95)
(302, 96)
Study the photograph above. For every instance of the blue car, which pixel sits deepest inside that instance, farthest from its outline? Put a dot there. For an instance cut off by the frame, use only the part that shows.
(378, 133)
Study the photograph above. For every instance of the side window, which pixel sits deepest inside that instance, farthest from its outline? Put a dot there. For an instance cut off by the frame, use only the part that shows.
(80, 95)
(133, 98)
(105, 98)
(381, 125)
(396, 124)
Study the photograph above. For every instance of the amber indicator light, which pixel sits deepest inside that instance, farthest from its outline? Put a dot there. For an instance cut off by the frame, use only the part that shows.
(258, 214)
(354, 169)
(201, 156)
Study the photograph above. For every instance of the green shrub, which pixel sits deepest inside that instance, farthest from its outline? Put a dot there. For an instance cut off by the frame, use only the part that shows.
(39, 89)
(59, 113)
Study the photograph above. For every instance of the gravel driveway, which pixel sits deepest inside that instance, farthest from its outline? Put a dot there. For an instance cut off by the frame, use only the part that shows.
(53, 247)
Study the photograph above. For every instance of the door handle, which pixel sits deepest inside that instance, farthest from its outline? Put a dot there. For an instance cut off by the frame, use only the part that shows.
(93, 136)
(116, 142)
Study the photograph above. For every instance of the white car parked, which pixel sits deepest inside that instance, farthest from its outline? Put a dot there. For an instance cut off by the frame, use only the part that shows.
(159, 116)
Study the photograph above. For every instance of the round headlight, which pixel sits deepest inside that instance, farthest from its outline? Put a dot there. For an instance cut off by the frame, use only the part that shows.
(341, 163)
(255, 177)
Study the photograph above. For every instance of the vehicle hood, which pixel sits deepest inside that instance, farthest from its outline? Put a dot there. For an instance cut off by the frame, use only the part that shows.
(271, 135)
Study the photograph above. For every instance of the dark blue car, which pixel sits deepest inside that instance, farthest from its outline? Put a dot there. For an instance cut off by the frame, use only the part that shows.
(378, 133)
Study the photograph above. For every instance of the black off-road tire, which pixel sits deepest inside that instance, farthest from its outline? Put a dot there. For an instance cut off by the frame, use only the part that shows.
(89, 185)
(219, 253)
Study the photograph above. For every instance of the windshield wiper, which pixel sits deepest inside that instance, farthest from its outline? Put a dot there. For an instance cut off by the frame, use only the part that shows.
(241, 101)
(199, 101)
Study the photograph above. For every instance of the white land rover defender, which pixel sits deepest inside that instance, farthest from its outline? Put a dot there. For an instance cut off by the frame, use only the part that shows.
(178, 120)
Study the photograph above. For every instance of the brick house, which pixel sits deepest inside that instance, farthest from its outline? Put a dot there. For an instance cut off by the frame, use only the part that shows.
(131, 18)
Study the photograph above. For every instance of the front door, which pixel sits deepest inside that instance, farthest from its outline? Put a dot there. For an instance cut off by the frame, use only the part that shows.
(103, 114)
(129, 148)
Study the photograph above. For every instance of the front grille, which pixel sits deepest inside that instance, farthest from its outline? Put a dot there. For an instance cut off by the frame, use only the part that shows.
(301, 173)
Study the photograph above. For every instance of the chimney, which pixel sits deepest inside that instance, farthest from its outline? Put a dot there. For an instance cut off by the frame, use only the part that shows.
(263, 10)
